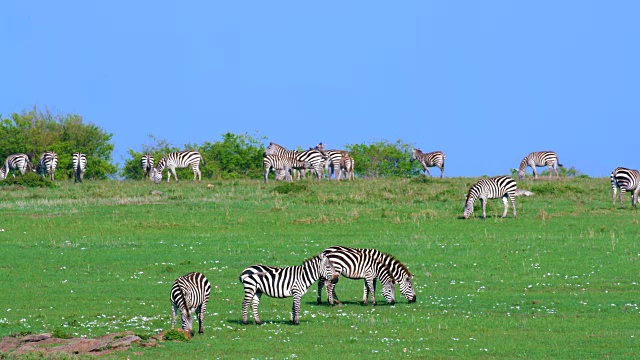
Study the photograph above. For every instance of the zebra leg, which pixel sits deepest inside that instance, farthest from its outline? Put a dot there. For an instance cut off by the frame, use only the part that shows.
(483, 202)
(513, 203)
(614, 196)
(370, 291)
(320, 286)
(442, 172)
(173, 316)
(255, 301)
(295, 309)
(622, 191)
(634, 197)
(200, 313)
(426, 169)
(506, 206)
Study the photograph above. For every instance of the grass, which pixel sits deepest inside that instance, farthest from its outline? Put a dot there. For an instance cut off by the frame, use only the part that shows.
(561, 281)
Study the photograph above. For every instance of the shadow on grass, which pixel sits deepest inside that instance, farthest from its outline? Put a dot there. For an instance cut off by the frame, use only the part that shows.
(264, 322)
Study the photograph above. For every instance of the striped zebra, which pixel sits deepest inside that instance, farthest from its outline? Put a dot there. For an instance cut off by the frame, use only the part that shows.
(190, 293)
(79, 162)
(146, 163)
(348, 165)
(539, 158)
(316, 158)
(626, 180)
(47, 164)
(353, 264)
(398, 271)
(177, 160)
(283, 165)
(15, 162)
(293, 281)
(428, 160)
(491, 188)
(337, 161)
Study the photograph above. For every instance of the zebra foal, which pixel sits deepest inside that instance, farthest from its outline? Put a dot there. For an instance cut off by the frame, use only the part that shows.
(539, 158)
(190, 293)
(491, 188)
(428, 160)
(626, 180)
(315, 157)
(293, 281)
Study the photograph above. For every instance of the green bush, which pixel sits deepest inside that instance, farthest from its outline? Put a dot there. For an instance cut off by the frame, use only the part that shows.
(30, 180)
(174, 334)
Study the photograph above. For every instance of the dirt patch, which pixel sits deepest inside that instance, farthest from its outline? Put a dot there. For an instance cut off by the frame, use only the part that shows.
(49, 345)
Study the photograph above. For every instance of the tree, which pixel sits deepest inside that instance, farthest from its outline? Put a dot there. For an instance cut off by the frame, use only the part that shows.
(236, 155)
(33, 132)
(383, 158)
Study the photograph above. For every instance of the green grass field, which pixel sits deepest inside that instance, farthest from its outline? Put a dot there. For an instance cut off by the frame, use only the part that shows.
(560, 281)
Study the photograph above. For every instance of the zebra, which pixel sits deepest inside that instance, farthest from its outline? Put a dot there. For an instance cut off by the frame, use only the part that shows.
(179, 160)
(146, 163)
(336, 160)
(293, 281)
(397, 270)
(47, 164)
(79, 161)
(491, 188)
(19, 162)
(539, 158)
(190, 293)
(315, 157)
(626, 180)
(353, 264)
(283, 163)
(348, 164)
(428, 160)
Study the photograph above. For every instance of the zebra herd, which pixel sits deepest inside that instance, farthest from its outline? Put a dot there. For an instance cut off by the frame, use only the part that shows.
(190, 293)
(47, 164)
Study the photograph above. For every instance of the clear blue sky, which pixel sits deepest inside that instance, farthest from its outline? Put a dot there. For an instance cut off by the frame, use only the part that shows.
(486, 82)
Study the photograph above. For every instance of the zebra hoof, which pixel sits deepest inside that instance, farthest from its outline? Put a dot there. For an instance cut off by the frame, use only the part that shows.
(244, 322)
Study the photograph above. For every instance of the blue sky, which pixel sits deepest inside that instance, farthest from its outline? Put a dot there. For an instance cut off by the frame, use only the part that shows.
(486, 82)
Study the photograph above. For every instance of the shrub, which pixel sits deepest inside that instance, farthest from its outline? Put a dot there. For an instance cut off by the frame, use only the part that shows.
(29, 179)
(174, 334)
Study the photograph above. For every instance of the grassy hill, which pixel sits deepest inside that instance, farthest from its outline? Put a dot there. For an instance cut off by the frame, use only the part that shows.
(560, 281)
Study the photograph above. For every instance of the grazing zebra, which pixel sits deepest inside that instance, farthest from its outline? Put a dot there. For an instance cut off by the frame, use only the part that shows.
(626, 180)
(177, 160)
(354, 264)
(190, 293)
(19, 162)
(398, 271)
(146, 163)
(293, 281)
(79, 162)
(284, 163)
(428, 160)
(539, 158)
(491, 188)
(47, 164)
(315, 157)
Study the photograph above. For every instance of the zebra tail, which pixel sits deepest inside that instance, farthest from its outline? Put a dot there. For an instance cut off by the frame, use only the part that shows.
(560, 164)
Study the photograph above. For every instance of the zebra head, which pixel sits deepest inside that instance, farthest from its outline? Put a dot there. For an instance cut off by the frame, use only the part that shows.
(155, 175)
(521, 174)
(3, 172)
(327, 270)
(406, 288)
(468, 207)
(274, 149)
(187, 321)
(414, 154)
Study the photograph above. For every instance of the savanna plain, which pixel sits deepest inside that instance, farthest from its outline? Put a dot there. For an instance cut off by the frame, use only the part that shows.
(560, 281)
